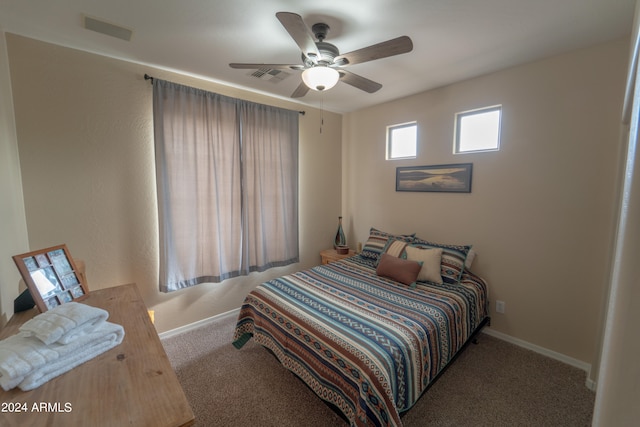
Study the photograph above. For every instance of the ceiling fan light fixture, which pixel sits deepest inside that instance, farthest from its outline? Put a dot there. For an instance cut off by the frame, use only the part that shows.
(320, 77)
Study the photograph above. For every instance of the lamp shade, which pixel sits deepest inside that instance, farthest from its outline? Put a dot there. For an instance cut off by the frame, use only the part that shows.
(320, 77)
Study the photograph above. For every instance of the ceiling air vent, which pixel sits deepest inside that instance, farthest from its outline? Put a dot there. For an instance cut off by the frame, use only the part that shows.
(270, 75)
(106, 28)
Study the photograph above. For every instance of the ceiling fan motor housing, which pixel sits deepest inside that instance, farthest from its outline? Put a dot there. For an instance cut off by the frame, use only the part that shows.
(328, 52)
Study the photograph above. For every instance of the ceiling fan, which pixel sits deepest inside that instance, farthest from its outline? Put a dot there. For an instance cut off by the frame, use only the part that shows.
(322, 64)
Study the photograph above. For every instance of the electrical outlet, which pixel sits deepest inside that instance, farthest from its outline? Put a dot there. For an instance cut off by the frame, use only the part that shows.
(500, 306)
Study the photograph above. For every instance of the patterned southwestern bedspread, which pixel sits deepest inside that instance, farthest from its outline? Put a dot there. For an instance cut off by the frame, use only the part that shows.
(366, 344)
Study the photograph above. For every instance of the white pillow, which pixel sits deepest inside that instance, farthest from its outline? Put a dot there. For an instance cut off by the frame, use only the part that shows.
(431, 258)
(470, 257)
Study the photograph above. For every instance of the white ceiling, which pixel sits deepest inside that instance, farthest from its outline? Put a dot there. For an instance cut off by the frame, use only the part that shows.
(453, 39)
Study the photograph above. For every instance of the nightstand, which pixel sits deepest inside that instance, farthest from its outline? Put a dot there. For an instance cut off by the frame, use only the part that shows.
(330, 255)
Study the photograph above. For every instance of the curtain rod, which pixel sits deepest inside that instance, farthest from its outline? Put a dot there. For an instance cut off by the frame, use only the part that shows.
(148, 77)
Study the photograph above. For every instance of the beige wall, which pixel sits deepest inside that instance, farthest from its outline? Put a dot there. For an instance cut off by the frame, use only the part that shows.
(84, 126)
(619, 374)
(541, 213)
(13, 228)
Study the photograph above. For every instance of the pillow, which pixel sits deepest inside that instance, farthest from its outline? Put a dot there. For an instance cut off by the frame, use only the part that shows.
(396, 248)
(398, 269)
(470, 257)
(453, 259)
(430, 258)
(377, 241)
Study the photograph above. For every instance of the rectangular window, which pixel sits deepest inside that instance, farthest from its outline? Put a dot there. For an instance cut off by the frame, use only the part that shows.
(227, 177)
(478, 130)
(402, 141)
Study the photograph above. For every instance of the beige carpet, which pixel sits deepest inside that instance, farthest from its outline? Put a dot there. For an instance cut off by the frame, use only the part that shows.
(493, 383)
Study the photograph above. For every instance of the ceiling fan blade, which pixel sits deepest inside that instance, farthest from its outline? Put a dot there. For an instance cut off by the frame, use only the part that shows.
(391, 47)
(359, 82)
(300, 91)
(300, 33)
(270, 66)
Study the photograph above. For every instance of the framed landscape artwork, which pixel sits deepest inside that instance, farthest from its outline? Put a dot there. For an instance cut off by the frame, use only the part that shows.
(454, 178)
(51, 277)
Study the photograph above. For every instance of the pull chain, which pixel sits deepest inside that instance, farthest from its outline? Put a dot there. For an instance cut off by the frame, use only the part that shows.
(321, 110)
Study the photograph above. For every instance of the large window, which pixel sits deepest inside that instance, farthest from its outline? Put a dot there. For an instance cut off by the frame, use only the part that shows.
(478, 130)
(402, 141)
(227, 177)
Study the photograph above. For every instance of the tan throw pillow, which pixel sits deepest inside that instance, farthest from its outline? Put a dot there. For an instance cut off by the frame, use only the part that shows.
(398, 269)
(395, 247)
(431, 258)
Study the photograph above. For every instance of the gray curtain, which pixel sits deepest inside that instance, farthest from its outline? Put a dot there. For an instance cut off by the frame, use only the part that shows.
(227, 178)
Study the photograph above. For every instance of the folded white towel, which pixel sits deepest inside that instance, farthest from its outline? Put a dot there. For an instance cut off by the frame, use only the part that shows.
(107, 336)
(21, 355)
(28, 362)
(64, 323)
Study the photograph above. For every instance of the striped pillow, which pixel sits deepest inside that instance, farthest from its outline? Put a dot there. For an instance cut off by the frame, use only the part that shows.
(375, 245)
(453, 258)
(396, 248)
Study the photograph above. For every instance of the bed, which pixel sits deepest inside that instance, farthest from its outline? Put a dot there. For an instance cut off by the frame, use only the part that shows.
(369, 341)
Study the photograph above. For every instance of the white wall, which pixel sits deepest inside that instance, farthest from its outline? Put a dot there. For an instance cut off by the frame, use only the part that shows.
(541, 212)
(85, 137)
(13, 227)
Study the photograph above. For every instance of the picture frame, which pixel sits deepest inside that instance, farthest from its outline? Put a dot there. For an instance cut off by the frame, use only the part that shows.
(451, 178)
(51, 276)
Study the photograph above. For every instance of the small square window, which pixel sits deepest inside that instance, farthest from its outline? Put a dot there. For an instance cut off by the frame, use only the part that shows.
(478, 130)
(402, 141)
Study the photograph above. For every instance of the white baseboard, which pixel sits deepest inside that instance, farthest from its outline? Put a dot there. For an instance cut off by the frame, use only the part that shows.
(589, 383)
(199, 323)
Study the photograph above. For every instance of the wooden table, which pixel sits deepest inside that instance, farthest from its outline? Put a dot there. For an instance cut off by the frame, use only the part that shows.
(331, 255)
(133, 384)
